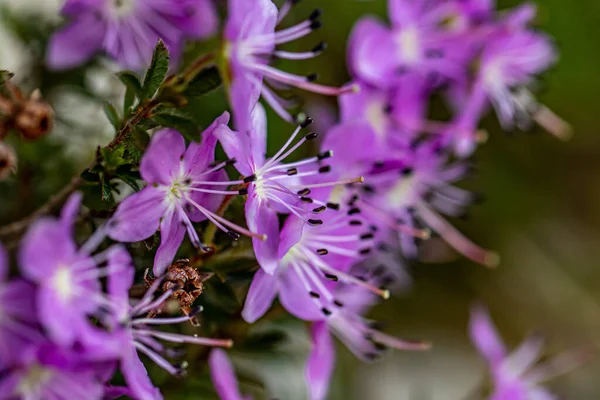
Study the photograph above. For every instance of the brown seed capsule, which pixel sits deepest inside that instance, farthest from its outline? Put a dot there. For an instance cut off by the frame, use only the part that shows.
(31, 116)
(186, 283)
(36, 117)
(8, 161)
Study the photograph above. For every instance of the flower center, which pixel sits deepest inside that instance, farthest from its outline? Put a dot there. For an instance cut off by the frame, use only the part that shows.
(177, 191)
(32, 383)
(402, 193)
(62, 281)
(121, 8)
(409, 45)
(377, 117)
(493, 76)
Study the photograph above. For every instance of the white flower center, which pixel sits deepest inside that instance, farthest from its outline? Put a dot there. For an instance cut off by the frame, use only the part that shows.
(377, 117)
(121, 8)
(177, 192)
(402, 193)
(493, 76)
(62, 281)
(32, 384)
(408, 43)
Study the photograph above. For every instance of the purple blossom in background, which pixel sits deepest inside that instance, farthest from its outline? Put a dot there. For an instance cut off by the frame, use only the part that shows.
(273, 186)
(359, 334)
(223, 376)
(67, 277)
(430, 39)
(308, 259)
(250, 43)
(184, 186)
(128, 30)
(516, 376)
(17, 313)
(408, 185)
(46, 371)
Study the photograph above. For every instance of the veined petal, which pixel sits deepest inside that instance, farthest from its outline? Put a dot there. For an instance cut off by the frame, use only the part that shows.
(321, 361)
(261, 294)
(295, 298)
(199, 156)
(137, 377)
(247, 19)
(236, 145)
(44, 248)
(172, 232)
(138, 216)
(77, 42)
(223, 376)
(4, 267)
(485, 336)
(162, 159)
(263, 220)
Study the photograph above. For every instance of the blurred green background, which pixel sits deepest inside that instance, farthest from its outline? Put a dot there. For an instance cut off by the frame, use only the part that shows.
(541, 215)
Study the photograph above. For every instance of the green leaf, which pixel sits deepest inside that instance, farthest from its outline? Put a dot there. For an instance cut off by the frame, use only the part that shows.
(112, 115)
(131, 81)
(157, 72)
(92, 197)
(107, 191)
(89, 176)
(206, 81)
(114, 157)
(171, 118)
(130, 177)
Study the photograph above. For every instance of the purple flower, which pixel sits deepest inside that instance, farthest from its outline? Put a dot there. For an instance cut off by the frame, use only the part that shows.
(274, 186)
(250, 42)
(409, 186)
(46, 371)
(130, 332)
(223, 376)
(17, 313)
(515, 376)
(430, 39)
(308, 259)
(184, 186)
(67, 277)
(127, 30)
(356, 332)
(511, 57)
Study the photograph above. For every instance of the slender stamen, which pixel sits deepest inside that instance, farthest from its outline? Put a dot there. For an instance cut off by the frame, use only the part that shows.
(157, 358)
(275, 158)
(218, 220)
(360, 179)
(456, 239)
(178, 338)
(399, 344)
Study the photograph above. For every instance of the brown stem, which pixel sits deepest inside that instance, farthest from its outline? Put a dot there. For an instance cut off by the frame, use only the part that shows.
(18, 227)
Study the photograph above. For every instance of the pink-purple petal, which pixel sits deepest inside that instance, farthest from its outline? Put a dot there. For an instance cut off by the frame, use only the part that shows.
(261, 294)
(223, 376)
(321, 361)
(161, 162)
(172, 232)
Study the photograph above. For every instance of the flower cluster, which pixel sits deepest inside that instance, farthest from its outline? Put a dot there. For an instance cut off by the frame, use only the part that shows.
(68, 323)
(329, 231)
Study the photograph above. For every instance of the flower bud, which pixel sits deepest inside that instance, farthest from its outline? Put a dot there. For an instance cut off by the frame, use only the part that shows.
(35, 119)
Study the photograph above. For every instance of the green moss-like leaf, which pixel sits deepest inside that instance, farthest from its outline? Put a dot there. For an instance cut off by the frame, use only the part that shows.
(157, 72)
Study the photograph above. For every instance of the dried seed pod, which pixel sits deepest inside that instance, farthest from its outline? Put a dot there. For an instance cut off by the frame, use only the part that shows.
(185, 282)
(31, 116)
(8, 161)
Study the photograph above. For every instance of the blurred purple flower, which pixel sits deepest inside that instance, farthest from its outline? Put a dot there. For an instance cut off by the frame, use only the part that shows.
(430, 39)
(308, 259)
(46, 371)
(515, 376)
(272, 185)
(184, 186)
(223, 376)
(407, 186)
(359, 334)
(128, 30)
(67, 277)
(512, 56)
(250, 44)
(17, 313)
(131, 332)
